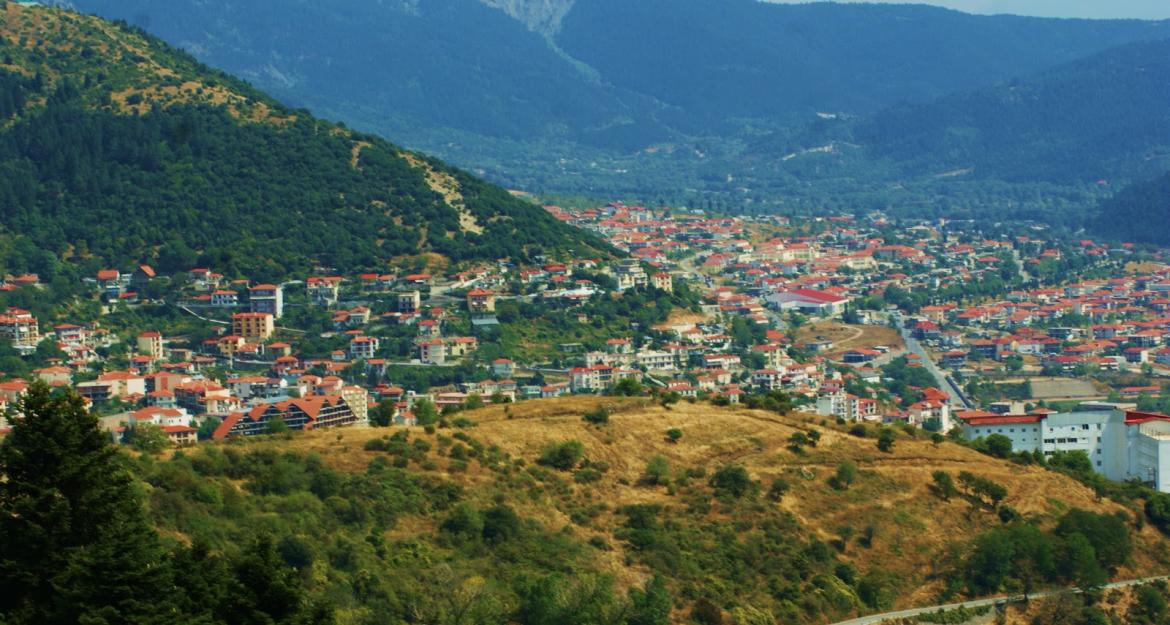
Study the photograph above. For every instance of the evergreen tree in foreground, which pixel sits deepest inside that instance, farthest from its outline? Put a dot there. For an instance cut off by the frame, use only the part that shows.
(75, 545)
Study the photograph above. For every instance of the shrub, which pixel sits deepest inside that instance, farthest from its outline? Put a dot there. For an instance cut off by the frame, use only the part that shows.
(845, 477)
(587, 475)
(1158, 511)
(1008, 514)
(465, 523)
(674, 435)
(886, 440)
(797, 441)
(999, 445)
(375, 444)
(597, 416)
(706, 613)
(778, 489)
(500, 524)
(859, 430)
(657, 472)
(944, 485)
(814, 437)
(733, 482)
(562, 456)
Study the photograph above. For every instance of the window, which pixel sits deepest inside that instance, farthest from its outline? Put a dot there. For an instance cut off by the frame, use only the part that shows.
(1085, 426)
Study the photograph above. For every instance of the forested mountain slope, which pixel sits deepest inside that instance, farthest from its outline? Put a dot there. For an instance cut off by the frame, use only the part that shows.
(118, 147)
(1102, 117)
(1139, 213)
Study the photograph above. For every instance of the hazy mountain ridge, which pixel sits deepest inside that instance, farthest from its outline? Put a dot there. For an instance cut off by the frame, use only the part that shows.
(663, 67)
(1103, 117)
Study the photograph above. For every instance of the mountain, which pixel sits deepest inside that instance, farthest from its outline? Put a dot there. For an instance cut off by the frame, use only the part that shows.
(608, 96)
(1103, 117)
(527, 514)
(1139, 213)
(117, 148)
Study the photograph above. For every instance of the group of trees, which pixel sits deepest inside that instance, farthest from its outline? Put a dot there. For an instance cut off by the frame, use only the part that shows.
(1084, 548)
(77, 547)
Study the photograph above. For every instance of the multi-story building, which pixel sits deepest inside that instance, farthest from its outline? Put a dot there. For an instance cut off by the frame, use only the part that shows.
(663, 282)
(203, 397)
(657, 360)
(313, 412)
(629, 274)
(1100, 434)
(409, 302)
(20, 327)
(254, 327)
(363, 347)
(323, 290)
(481, 301)
(432, 352)
(150, 344)
(266, 298)
(224, 299)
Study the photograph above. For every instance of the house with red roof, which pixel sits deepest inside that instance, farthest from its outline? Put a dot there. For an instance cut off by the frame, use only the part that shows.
(303, 413)
(808, 301)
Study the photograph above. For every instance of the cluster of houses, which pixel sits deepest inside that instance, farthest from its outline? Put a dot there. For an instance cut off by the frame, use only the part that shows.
(754, 270)
(1115, 324)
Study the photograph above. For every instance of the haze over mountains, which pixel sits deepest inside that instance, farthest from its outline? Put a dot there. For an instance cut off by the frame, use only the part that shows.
(724, 102)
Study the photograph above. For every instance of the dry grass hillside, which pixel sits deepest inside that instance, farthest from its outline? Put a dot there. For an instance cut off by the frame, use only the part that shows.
(83, 49)
(914, 534)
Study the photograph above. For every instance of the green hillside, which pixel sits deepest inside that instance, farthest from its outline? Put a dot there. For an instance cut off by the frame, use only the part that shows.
(120, 149)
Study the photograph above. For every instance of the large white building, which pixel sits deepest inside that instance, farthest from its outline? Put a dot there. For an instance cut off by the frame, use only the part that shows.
(1120, 445)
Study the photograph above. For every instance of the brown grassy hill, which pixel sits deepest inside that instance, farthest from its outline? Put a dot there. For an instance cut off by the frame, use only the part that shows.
(911, 534)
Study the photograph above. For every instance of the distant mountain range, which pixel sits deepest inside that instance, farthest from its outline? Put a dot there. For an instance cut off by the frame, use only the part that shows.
(607, 73)
(1102, 117)
(722, 103)
(117, 148)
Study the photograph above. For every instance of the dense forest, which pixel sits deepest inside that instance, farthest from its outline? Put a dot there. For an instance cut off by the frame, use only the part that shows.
(1140, 213)
(1101, 118)
(178, 183)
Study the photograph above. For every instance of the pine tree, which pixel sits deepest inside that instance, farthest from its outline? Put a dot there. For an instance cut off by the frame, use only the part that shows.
(75, 544)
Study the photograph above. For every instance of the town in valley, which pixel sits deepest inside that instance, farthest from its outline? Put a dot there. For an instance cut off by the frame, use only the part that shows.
(1058, 345)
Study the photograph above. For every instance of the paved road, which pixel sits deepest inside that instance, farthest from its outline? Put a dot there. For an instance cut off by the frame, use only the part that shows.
(873, 619)
(948, 385)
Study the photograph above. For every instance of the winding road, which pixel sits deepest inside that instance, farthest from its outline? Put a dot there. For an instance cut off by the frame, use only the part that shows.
(874, 619)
